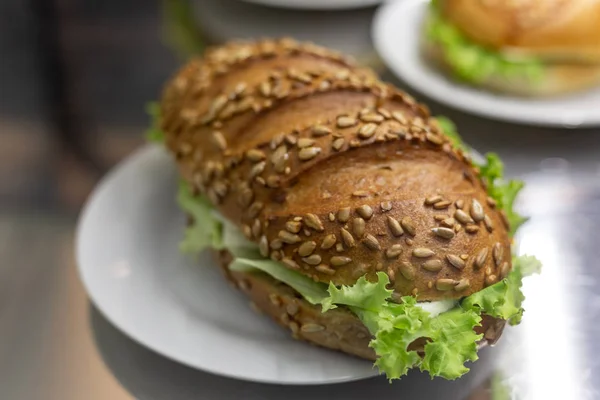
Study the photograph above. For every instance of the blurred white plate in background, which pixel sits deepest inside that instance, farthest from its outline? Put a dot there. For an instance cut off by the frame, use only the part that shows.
(178, 306)
(397, 31)
(318, 4)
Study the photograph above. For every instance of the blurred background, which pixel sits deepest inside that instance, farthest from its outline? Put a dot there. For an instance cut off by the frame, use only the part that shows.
(74, 80)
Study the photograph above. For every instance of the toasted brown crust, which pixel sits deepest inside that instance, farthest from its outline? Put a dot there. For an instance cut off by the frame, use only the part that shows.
(557, 79)
(563, 30)
(337, 329)
(333, 172)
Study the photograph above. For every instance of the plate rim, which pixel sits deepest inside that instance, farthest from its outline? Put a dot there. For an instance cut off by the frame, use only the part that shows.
(378, 35)
(317, 5)
(102, 185)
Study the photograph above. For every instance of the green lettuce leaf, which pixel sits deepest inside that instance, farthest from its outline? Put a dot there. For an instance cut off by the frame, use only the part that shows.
(449, 129)
(313, 292)
(204, 230)
(451, 340)
(154, 133)
(504, 299)
(503, 192)
(472, 62)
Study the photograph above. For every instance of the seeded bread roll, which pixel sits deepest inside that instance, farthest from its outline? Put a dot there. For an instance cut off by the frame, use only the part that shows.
(557, 79)
(337, 329)
(558, 30)
(333, 172)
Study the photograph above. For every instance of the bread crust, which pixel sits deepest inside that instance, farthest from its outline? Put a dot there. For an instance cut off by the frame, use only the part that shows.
(556, 79)
(337, 329)
(333, 172)
(556, 30)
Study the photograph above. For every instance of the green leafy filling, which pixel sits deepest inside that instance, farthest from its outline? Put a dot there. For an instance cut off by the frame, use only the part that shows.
(450, 339)
(471, 62)
(154, 133)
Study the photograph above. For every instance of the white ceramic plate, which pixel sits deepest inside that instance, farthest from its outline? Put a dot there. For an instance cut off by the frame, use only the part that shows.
(397, 30)
(182, 308)
(318, 4)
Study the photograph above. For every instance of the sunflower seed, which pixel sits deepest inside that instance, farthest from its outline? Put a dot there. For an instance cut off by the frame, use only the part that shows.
(290, 263)
(394, 226)
(219, 140)
(463, 284)
(360, 193)
(481, 258)
(491, 202)
(488, 223)
(320, 130)
(386, 206)
(432, 200)
(265, 88)
(408, 226)
(371, 118)
(441, 205)
(432, 265)
(292, 308)
(312, 328)
(347, 238)
(305, 142)
(472, 229)
(365, 211)
(445, 284)
(263, 246)
(384, 112)
(476, 211)
(498, 253)
(288, 237)
(276, 244)
(490, 280)
(358, 227)
(255, 209)
(462, 217)
(459, 203)
(325, 269)
(407, 270)
(449, 222)
(308, 153)
(394, 251)
(337, 144)
(346, 122)
(398, 116)
(273, 181)
(257, 169)
(314, 259)
(338, 261)
(306, 248)
(422, 252)
(371, 242)
(256, 228)
(312, 221)
(328, 242)
(391, 274)
(504, 270)
(367, 131)
(455, 261)
(445, 233)
(343, 215)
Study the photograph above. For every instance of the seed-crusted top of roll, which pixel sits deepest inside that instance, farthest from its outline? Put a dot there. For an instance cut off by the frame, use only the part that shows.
(333, 172)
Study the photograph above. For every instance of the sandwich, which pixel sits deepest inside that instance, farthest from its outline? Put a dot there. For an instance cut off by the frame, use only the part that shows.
(345, 212)
(525, 48)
